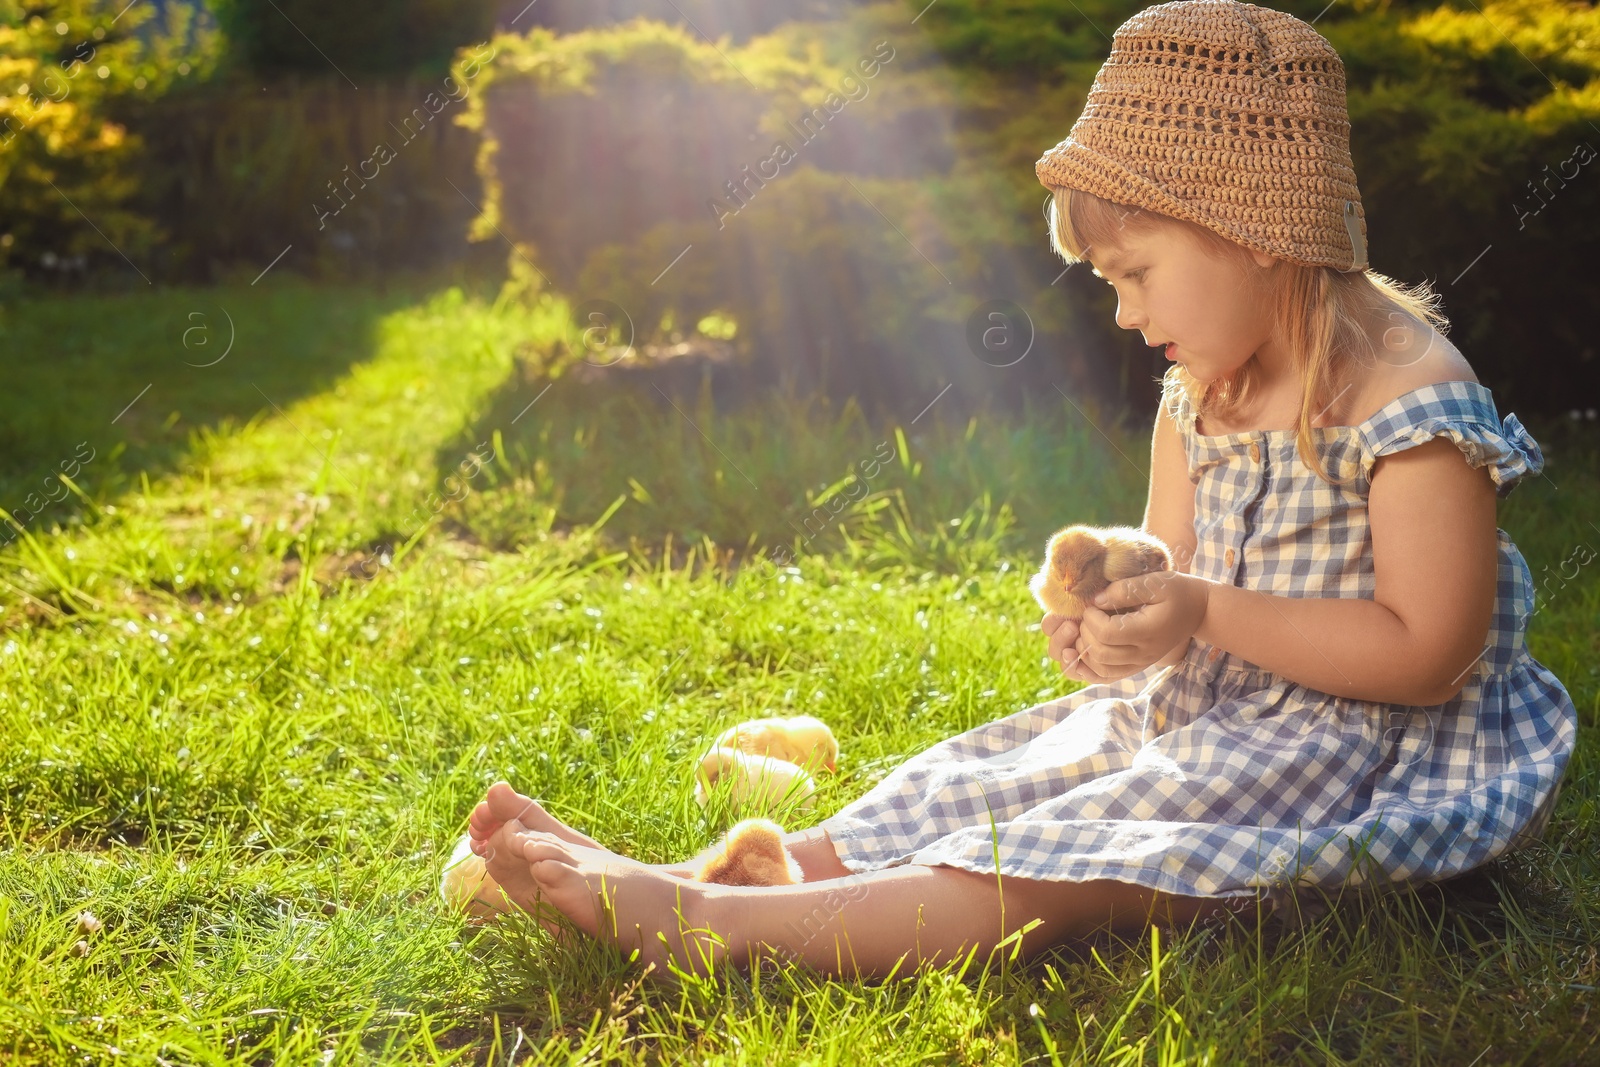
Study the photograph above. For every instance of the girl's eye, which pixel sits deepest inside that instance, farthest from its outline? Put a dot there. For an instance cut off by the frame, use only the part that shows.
(1137, 275)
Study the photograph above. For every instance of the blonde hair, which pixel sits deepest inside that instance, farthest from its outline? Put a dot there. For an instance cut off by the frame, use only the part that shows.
(1318, 311)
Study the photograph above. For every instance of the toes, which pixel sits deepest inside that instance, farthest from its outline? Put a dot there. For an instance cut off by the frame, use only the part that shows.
(504, 803)
(537, 848)
(502, 845)
(479, 827)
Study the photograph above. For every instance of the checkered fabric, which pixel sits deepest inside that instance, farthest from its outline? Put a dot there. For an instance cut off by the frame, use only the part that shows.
(1215, 778)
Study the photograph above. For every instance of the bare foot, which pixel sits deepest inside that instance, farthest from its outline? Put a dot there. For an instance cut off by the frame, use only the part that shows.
(631, 906)
(503, 803)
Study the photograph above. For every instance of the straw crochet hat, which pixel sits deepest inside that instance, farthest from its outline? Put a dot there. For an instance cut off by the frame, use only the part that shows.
(1228, 115)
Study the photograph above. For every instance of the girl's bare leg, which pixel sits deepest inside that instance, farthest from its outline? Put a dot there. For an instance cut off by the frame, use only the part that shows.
(813, 850)
(865, 925)
(858, 925)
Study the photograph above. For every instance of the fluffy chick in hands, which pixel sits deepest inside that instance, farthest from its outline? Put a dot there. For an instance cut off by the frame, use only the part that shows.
(1080, 561)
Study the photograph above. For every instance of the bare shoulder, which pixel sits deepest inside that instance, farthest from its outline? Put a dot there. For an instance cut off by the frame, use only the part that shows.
(1407, 358)
(1436, 465)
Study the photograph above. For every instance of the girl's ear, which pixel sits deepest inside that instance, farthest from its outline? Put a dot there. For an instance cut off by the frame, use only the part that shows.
(1262, 259)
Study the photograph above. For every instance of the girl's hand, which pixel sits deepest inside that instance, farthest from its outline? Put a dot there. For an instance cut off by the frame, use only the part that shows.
(1066, 648)
(1137, 620)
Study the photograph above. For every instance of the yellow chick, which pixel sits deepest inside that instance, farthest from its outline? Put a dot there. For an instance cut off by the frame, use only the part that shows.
(1080, 561)
(751, 853)
(466, 884)
(804, 740)
(761, 781)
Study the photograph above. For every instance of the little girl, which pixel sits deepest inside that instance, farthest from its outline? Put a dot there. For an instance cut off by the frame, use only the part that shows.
(1331, 689)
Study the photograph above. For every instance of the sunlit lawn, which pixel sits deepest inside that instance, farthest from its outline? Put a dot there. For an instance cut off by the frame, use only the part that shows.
(305, 603)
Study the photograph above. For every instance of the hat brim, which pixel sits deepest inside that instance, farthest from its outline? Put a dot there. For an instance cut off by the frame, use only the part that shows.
(1075, 165)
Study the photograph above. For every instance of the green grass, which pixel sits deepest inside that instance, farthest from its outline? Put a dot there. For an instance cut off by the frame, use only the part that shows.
(257, 669)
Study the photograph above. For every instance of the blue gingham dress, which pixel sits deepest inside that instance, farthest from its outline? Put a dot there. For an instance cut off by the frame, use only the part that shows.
(1214, 778)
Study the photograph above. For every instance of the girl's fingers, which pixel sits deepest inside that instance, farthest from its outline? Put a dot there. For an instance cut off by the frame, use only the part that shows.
(1071, 660)
(1101, 628)
(1128, 593)
(1083, 672)
(1063, 638)
(1114, 631)
(1106, 661)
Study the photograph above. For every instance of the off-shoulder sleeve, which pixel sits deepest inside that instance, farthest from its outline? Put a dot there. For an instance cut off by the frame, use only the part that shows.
(1509, 451)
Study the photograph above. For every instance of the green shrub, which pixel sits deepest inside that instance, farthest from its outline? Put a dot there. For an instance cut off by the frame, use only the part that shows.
(357, 182)
(713, 18)
(379, 37)
(808, 186)
(67, 162)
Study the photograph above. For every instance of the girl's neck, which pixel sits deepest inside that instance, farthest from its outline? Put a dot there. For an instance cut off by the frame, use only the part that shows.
(1265, 414)
(1276, 408)
(1280, 385)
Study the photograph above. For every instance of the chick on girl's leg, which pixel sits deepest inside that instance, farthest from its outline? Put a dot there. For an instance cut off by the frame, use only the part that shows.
(813, 850)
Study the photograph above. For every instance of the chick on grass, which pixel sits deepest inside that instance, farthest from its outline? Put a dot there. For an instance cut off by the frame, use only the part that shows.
(748, 782)
(466, 885)
(762, 763)
(1080, 561)
(803, 740)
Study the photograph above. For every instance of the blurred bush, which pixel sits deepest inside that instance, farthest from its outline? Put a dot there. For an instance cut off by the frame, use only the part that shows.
(809, 186)
(1470, 133)
(142, 147)
(740, 162)
(357, 182)
(640, 164)
(376, 37)
(68, 162)
(284, 149)
(712, 18)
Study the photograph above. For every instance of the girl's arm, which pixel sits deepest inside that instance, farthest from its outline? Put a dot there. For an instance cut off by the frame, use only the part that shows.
(1169, 509)
(1435, 558)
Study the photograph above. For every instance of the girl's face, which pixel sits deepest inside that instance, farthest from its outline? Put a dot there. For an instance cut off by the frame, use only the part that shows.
(1207, 310)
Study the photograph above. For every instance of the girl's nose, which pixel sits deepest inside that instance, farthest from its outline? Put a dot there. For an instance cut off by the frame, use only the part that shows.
(1127, 318)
